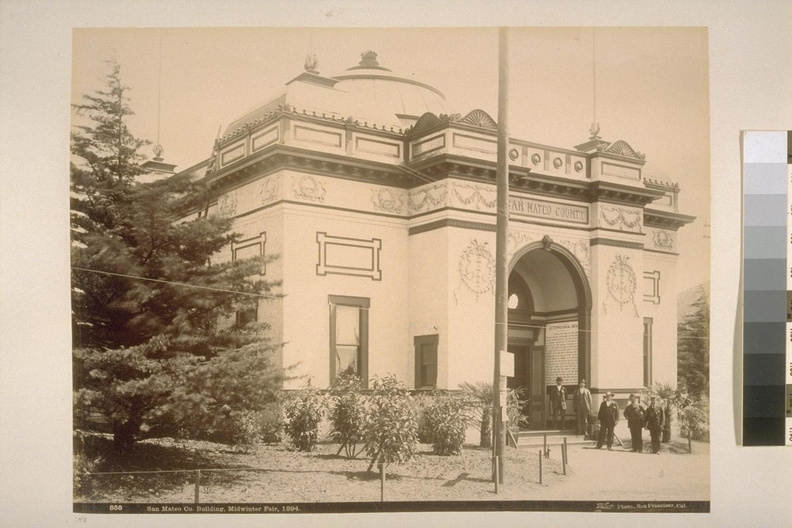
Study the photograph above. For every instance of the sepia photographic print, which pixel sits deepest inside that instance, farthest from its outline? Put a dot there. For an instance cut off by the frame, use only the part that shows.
(284, 270)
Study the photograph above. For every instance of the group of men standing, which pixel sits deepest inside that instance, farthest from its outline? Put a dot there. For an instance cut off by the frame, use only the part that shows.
(638, 417)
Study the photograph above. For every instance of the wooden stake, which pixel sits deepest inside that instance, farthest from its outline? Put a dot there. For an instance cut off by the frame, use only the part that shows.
(540, 468)
(563, 456)
(382, 482)
(197, 484)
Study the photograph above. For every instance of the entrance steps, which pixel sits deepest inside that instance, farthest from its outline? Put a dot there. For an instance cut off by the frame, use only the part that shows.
(554, 437)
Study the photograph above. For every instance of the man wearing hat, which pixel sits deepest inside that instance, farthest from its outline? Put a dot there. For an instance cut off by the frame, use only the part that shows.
(634, 412)
(558, 403)
(583, 407)
(654, 420)
(608, 416)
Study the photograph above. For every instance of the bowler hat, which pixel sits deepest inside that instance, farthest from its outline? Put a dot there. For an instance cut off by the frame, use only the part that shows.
(559, 379)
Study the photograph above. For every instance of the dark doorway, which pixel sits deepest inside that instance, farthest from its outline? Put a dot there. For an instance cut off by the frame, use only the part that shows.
(528, 376)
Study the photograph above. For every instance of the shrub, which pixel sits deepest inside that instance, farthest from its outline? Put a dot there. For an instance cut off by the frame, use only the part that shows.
(445, 417)
(422, 401)
(271, 423)
(347, 413)
(245, 429)
(390, 428)
(481, 394)
(692, 413)
(304, 411)
(694, 419)
(83, 465)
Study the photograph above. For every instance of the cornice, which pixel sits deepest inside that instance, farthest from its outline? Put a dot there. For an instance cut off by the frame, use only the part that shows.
(450, 222)
(624, 194)
(666, 219)
(599, 241)
(278, 157)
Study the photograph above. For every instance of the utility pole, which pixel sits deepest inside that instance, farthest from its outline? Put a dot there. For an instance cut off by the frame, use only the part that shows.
(501, 264)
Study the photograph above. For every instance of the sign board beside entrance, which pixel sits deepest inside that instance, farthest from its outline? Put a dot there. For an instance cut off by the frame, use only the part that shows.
(507, 364)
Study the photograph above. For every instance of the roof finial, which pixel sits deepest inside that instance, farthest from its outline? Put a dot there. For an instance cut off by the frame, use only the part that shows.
(594, 130)
(311, 62)
(369, 59)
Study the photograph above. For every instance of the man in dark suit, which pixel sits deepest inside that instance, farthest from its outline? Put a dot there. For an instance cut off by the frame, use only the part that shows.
(608, 416)
(558, 403)
(654, 420)
(583, 407)
(634, 412)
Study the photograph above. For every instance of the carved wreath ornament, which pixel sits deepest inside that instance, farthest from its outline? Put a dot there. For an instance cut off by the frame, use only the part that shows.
(268, 190)
(663, 240)
(477, 268)
(228, 204)
(622, 282)
(309, 188)
(386, 200)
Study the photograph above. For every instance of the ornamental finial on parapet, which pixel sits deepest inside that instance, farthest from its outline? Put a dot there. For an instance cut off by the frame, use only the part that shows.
(594, 130)
(369, 59)
(311, 63)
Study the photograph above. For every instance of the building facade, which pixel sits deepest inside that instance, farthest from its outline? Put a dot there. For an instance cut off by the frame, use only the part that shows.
(379, 206)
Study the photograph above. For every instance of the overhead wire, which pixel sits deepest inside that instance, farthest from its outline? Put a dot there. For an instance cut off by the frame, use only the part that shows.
(175, 283)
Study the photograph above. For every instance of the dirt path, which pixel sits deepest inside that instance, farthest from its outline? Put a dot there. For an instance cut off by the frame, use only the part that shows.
(623, 475)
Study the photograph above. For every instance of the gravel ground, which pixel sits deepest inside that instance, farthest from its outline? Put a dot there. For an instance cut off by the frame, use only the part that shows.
(273, 474)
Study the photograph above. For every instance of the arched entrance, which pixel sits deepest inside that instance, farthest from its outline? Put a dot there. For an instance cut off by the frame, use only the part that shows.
(549, 325)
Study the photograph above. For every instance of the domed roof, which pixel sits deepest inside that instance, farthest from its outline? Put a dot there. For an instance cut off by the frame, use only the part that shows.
(368, 93)
(377, 91)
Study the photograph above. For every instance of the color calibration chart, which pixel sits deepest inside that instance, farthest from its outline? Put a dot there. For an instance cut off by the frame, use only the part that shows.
(767, 288)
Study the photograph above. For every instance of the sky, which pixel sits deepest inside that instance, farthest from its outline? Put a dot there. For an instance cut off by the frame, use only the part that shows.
(647, 86)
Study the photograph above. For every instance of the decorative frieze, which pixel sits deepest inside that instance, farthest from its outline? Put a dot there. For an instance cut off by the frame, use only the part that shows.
(473, 195)
(621, 218)
(427, 198)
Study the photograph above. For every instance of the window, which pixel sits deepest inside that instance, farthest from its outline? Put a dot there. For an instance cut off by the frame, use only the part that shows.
(426, 361)
(349, 336)
(647, 352)
(249, 315)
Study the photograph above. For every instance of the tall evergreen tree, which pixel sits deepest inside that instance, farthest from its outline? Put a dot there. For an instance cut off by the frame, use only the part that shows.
(693, 347)
(155, 348)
